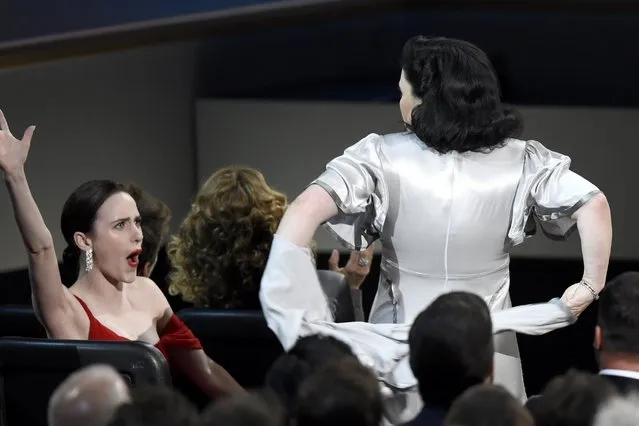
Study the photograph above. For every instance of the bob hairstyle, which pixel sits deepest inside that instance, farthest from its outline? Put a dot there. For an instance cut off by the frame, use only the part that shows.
(461, 108)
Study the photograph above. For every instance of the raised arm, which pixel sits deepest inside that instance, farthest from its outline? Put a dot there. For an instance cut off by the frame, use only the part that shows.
(50, 298)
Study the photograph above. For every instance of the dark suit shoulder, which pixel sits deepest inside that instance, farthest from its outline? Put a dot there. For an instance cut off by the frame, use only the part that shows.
(623, 384)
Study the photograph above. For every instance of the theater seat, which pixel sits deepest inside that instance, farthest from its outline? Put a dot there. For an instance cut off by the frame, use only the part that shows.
(240, 341)
(31, 369)
(20, 321)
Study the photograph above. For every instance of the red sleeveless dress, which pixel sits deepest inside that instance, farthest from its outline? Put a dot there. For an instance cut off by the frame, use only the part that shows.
(175, 335)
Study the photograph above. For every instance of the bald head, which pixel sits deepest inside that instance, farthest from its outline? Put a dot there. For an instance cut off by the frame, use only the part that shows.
(88, 397)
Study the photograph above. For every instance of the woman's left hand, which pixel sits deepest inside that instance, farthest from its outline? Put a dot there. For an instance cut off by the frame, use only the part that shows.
(577, 298)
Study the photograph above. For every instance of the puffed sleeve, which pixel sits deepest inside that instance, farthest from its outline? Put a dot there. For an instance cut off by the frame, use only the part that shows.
(548, 194)
(176, 334)
(355, 180)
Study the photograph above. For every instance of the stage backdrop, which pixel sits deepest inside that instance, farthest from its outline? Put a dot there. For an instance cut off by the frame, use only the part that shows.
(290, 142)
(123, 115)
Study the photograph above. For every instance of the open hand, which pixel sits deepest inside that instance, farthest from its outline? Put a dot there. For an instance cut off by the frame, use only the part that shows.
(357, 267)
(13, 151)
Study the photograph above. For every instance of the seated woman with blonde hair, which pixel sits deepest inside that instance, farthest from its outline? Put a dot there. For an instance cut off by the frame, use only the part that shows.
(220, 251)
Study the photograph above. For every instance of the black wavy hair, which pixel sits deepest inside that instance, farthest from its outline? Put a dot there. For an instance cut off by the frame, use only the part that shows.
(461, 108)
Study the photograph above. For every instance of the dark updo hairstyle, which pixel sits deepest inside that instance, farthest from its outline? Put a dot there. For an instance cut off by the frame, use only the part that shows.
(461, 107)
(78, 215)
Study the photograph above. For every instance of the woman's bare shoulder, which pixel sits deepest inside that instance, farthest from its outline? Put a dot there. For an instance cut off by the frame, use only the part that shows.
(150, 294)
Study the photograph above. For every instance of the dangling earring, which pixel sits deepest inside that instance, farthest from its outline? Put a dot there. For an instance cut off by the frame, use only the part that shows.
(89, 260)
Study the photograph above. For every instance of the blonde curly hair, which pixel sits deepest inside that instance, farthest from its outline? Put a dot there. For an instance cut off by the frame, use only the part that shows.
(220, 251)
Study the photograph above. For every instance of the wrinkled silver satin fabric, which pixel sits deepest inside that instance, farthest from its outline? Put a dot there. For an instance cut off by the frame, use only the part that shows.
(447, 221)
(295, 305)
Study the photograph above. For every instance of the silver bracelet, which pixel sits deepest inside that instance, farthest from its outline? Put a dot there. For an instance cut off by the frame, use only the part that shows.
(595, 296)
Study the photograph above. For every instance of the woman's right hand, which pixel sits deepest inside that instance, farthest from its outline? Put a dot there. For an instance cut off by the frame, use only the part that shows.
(357, 268)
(13, 151)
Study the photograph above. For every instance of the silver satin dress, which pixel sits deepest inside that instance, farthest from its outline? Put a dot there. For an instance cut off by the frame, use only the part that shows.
(447, 221)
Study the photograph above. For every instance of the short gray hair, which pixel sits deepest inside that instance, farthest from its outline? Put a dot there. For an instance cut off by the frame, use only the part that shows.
(619, 411)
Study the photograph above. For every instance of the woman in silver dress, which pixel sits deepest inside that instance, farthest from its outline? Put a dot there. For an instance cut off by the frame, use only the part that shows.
(449, 197)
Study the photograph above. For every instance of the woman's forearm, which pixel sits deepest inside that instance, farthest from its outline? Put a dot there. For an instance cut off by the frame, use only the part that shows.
(35, 234)
(595, 231)
(302, 218)
(221, 383)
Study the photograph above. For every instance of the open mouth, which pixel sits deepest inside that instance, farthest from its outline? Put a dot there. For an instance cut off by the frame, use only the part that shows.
(133, 258)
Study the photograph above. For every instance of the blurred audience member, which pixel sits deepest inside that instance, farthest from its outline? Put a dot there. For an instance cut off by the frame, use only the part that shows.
(156, 406)
(571, 400)
(488, 405)
(617, 332)
(451, 350)
(343, 392)
(308, 355)
(254, 409)
(88, 397)
(619, 411)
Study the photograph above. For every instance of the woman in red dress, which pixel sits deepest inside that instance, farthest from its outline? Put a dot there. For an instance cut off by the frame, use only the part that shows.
(101, 225)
